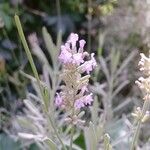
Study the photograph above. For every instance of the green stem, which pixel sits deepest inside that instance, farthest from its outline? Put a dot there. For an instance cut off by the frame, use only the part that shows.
(137, 131)
(23, 40)
(136, 135)
(72, 129)
(71, 139)
(50, 120)
(25, 45)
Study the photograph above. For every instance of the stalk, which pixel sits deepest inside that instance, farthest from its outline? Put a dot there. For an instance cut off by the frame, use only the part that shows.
(72, 129)
(137, 131)
(71, 140)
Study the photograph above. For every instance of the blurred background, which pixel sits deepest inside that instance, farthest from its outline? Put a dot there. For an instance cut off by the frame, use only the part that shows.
(111, 28)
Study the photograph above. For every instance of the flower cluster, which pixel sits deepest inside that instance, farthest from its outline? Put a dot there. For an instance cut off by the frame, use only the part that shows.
(145, 64)
(138, 114)
(74, 93)
(144, 82)
(144, 85)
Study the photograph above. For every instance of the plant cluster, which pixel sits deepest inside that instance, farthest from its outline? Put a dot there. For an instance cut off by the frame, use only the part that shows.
(80, 95)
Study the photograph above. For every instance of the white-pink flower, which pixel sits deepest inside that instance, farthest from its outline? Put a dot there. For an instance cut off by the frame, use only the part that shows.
(144, 64)
(88, 99)
(73, 39)
(81, 45)
(79, 103)
(84, 89)
(58, 100)
(78, 58)
(65, 56)
(94, 64)
(88, 66)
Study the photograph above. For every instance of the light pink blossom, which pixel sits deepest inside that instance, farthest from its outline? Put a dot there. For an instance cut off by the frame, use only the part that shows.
(88, 66)
(144, 64)
(81, 44)
(65, 56)
(88, 99)
(83, 101)
(78, 58)
(58, 100)
(73, 39)
(84, 89)
(94, 64)
(79, 104)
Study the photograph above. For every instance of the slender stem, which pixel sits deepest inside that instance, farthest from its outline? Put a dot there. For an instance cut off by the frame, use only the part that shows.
(50, 120)
(71, 139)
(72, 129)
(21, 34)
(136, 134)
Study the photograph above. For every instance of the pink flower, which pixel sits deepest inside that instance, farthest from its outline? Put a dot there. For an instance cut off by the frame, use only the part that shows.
(79, 103)
(78, 58)
(72, 57)
(65, 56)
(67, 46)
(88, 66)
(88, 99)
(73, 39)
(94, 64)
(81, 44)
(84, 89)
(58, 100)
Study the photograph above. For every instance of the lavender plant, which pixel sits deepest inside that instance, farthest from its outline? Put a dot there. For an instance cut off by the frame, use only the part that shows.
(74, 95)
(53, 119)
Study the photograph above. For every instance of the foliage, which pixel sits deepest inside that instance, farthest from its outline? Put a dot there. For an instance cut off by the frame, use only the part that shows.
(8, 143)
(114, 31)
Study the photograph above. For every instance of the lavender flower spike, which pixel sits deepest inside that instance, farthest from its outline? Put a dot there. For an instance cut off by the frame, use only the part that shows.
(74, 94)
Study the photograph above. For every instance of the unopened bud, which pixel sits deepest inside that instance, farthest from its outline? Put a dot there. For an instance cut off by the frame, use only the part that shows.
(146, 117)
